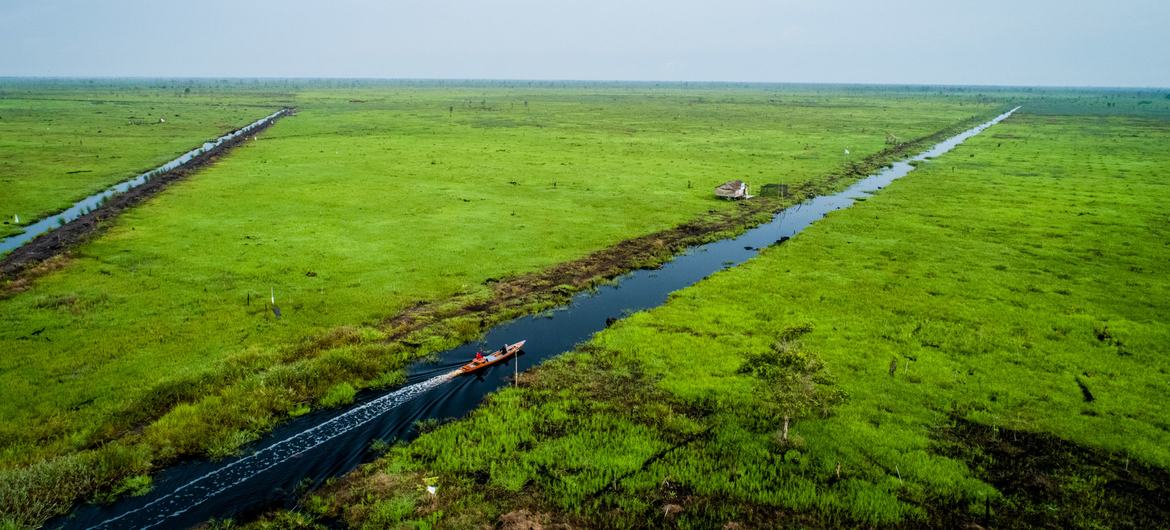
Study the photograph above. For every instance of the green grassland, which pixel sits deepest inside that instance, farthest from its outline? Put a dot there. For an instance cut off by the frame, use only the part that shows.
(155, 340)
(984, 341)
(61, 143)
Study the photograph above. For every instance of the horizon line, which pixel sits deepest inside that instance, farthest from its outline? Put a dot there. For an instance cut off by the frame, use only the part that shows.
(568, 80)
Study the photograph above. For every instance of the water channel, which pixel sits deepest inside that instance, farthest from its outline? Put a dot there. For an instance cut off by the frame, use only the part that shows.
(310, 449)
(87, 204)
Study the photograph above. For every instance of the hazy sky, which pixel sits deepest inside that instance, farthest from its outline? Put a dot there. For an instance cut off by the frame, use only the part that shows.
(1018, 42)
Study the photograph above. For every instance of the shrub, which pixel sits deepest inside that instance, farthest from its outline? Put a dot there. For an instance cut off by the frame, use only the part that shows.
(337, 395)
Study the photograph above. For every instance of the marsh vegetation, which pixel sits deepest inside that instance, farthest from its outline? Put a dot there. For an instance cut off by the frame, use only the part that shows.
(867, 372)
(982, 342)
(156, 341)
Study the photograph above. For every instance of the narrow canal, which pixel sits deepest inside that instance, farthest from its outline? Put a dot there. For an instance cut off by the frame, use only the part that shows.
(304, 452)
(87, 204)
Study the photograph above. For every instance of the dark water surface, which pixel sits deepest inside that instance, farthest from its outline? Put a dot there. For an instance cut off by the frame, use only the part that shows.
(323, 444)
(95, 200)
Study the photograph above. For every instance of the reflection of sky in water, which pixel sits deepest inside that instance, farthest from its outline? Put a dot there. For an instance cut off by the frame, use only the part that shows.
(95, 200)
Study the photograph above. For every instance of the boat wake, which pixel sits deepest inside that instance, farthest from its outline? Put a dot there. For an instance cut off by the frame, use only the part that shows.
(207, 486)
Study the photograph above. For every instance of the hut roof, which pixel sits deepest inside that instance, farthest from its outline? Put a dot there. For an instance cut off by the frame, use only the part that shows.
(733, 189)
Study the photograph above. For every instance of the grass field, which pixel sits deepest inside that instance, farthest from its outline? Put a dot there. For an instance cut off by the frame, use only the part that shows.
(983, 341)
(156, 341)
(62, 142)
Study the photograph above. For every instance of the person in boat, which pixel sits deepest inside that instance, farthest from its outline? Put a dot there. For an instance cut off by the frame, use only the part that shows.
(479, 357)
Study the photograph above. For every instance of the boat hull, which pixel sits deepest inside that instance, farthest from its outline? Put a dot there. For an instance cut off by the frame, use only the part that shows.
(493, 358)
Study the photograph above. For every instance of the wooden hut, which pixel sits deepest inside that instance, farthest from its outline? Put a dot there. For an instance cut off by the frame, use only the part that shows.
(735, 189)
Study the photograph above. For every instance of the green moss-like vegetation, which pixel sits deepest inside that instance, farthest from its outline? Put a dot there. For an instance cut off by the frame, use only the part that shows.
(158, 337)
(65, 141)
(337, 395)
(984, 341)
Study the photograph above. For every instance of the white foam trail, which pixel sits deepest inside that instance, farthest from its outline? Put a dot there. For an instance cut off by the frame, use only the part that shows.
(197, 491)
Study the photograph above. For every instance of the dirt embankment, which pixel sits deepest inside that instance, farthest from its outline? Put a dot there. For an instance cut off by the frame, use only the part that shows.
(32, 258)
(531, 292)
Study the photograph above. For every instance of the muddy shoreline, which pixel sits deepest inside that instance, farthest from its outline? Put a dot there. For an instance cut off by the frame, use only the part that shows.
(24, 263)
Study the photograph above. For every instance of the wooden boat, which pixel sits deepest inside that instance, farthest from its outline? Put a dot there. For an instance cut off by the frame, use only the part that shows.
(499, 355)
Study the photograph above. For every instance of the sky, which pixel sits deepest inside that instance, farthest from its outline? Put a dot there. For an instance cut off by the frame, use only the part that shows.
(979, 42)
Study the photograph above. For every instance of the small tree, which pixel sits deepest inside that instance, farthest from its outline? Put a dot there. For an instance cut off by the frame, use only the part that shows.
(795, 382)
